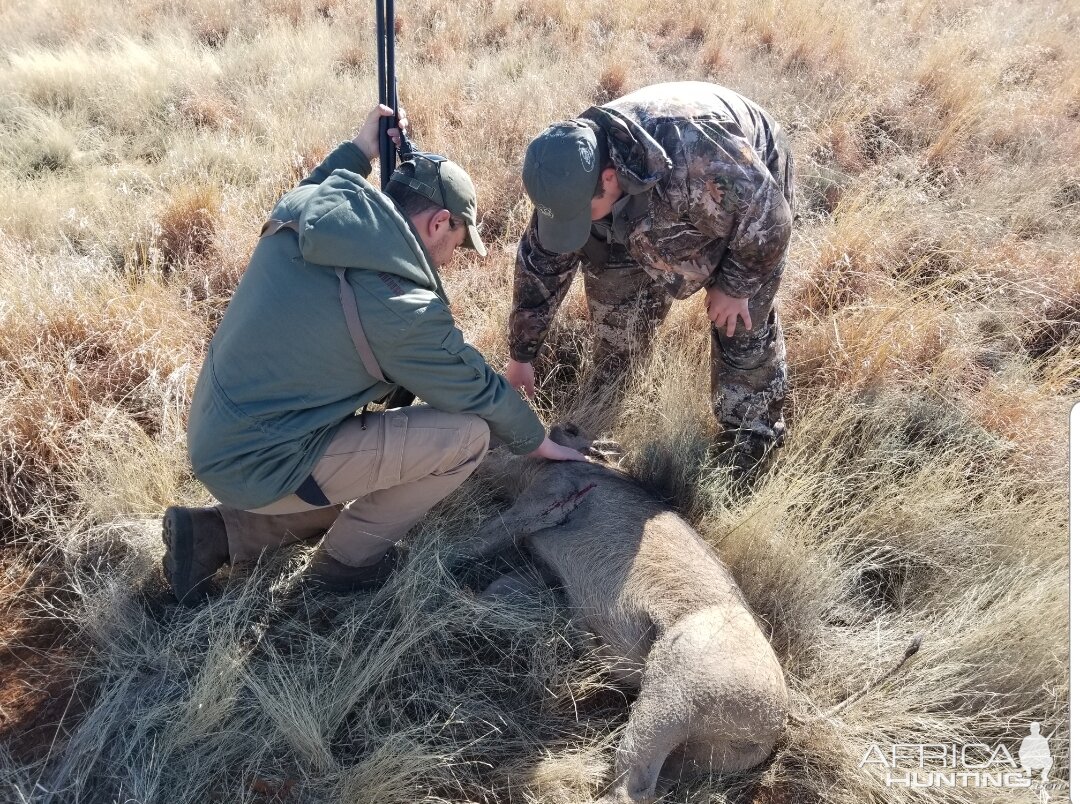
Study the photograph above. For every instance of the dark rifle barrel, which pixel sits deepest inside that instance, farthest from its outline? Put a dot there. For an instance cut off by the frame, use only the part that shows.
(380, 45)
(391, 78)
(384, 32)
(388, 94)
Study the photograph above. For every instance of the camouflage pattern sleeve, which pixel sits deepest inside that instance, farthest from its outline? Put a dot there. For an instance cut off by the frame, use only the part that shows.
(730, 194)
(541, 279)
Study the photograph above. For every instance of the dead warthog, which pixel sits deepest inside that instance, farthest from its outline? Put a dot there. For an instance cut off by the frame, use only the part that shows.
(662, 605)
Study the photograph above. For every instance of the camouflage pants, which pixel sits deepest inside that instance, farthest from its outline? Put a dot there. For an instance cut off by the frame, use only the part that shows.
(748, 371)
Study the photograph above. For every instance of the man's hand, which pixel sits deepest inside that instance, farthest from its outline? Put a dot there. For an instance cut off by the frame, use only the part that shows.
(521, 375)
(725, 311)
(367, 138)
(555, 452)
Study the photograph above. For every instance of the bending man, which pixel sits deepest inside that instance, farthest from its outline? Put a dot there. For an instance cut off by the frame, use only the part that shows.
(659, 194)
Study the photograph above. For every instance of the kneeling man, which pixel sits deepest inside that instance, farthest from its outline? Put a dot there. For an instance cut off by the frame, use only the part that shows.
(341, 306)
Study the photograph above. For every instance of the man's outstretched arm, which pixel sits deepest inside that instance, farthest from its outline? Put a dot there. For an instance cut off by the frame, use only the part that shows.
(541, 280)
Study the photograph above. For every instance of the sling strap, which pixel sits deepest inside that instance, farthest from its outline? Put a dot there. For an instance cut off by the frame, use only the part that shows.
(348, 305)
(352, 319)
(273, 226)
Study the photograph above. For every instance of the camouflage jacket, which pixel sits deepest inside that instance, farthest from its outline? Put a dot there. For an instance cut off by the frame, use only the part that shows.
(711, 177)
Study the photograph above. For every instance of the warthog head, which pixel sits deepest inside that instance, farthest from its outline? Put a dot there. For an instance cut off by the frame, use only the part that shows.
(510, 474)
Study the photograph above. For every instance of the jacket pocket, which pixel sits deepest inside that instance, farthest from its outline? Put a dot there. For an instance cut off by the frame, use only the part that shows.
(454, 344)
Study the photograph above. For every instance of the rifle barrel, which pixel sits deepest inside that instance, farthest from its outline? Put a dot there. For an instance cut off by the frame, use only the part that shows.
(384, 32)
(380, 45)
(388, 94)
(391, 77)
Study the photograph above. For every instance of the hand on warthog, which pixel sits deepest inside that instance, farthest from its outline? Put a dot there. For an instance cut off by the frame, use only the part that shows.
(556, 452)
(570, 435)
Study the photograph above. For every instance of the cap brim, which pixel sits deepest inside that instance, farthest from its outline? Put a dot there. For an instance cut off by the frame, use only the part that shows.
(473, 241)
(564, 236)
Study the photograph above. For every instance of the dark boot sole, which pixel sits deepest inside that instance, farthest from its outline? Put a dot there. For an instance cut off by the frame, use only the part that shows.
(177, 533)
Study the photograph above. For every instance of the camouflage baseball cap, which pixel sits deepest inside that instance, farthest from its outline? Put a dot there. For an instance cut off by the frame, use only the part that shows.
(437, 178)
(560, 173)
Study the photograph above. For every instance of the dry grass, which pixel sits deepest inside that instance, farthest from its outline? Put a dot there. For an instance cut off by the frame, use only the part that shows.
(932, 312)
(188, 224)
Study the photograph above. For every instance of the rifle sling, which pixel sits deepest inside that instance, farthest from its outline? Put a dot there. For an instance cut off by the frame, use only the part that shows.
(348, 305)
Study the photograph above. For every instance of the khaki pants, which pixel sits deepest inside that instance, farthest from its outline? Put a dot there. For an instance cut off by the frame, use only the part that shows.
(381, 472)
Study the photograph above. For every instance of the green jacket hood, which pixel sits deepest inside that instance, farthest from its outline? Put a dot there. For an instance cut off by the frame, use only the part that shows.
(345, 222)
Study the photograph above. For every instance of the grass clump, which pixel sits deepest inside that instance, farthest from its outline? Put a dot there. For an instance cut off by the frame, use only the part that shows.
(188, 224)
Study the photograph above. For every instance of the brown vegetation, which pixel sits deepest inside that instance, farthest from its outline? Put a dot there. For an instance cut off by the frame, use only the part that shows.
(932, 311)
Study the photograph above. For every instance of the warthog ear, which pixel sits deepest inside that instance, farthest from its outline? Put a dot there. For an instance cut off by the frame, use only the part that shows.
(570, 435)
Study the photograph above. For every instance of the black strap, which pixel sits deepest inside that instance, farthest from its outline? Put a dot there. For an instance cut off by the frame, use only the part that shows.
(400, 398)
(596, 251)
(348, 304)
(310, 493)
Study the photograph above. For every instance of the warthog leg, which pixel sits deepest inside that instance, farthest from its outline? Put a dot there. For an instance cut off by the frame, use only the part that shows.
(531, 513)
(700, 709)
(521, 585)
(659, 740)
(649, 739)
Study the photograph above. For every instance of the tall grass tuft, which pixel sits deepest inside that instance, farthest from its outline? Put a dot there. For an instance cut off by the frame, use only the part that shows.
(188, 223)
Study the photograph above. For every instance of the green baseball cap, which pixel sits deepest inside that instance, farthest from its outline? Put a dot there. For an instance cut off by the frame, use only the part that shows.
(447, 184)
(560, 172)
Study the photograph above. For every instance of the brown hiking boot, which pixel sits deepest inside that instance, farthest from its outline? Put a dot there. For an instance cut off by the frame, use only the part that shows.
(195, 548)
(326, 574)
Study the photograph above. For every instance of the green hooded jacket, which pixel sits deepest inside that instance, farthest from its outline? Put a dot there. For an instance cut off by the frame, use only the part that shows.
(282, 371)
